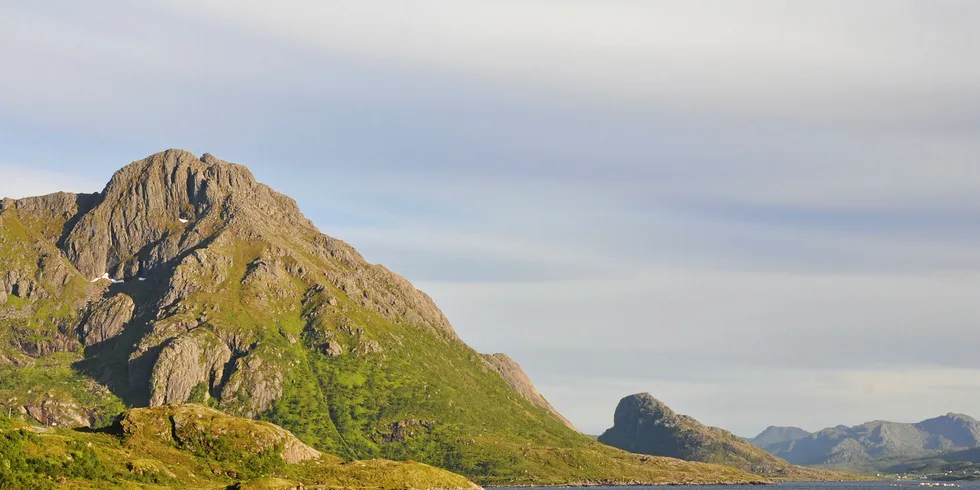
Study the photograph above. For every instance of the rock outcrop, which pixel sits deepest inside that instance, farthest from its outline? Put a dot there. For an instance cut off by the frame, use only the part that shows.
(56, 412)
(512, 373)
(196, 428)
(190, 359)
(253, 385)
(107, 319)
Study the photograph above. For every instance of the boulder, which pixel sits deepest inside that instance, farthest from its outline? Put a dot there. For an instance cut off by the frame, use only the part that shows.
(52, 411)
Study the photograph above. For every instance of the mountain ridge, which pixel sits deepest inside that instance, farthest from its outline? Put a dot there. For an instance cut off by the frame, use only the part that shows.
(877, 441)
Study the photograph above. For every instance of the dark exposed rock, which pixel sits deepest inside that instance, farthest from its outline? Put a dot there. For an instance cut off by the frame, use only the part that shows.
(368, 346)
(37, 343)
(402, 430)
(332, 348)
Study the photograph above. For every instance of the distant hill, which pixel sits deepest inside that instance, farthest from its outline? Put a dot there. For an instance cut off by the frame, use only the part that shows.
(874, 444)
(777, 435)
(644, 425)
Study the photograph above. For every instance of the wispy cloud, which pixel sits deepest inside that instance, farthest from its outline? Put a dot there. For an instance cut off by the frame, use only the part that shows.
(751, 211)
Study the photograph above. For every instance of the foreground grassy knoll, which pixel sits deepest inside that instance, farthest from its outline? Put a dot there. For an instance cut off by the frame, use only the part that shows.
(191, 446)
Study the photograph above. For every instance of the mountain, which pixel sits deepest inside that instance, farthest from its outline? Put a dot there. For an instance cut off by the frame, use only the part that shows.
(877, 444)
(186, 280)
(643, 424)
(778, 435)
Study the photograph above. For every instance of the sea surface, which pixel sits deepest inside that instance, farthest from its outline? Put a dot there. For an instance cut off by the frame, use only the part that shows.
(876, 485)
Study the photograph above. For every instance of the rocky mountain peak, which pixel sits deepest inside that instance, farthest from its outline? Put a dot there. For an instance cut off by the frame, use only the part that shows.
(641, 405)
(155, 209)
(200, 258)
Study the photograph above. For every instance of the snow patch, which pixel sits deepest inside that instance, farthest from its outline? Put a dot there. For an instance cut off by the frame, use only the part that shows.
(182, 220)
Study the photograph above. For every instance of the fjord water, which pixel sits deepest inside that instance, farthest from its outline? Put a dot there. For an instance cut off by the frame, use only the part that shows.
(874, 485)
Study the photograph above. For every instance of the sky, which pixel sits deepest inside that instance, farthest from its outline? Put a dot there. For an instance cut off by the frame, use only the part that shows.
(761, 212)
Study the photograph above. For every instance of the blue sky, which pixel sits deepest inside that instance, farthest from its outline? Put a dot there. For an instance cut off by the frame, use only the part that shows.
(762, 213)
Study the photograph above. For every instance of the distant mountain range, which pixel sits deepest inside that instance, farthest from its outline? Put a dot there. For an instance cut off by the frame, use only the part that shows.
(877, 444)
(645, 425)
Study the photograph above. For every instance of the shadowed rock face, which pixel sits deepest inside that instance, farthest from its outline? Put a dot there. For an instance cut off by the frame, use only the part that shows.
(518, 380)
(107, 319)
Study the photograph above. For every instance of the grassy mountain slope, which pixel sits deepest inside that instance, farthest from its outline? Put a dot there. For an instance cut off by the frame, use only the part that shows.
(185, 280)
(645, 425)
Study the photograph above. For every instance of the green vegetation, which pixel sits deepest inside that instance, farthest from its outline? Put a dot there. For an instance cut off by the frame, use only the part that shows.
(121, 458)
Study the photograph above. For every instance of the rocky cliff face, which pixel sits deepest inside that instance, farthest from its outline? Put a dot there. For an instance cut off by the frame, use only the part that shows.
(643, 424)
(187, 280)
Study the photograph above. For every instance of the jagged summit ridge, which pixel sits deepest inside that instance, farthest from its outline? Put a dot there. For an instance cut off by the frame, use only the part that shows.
(133, 227)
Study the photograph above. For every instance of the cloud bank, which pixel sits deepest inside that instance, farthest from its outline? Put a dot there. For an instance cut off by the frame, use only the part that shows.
(763, 214)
